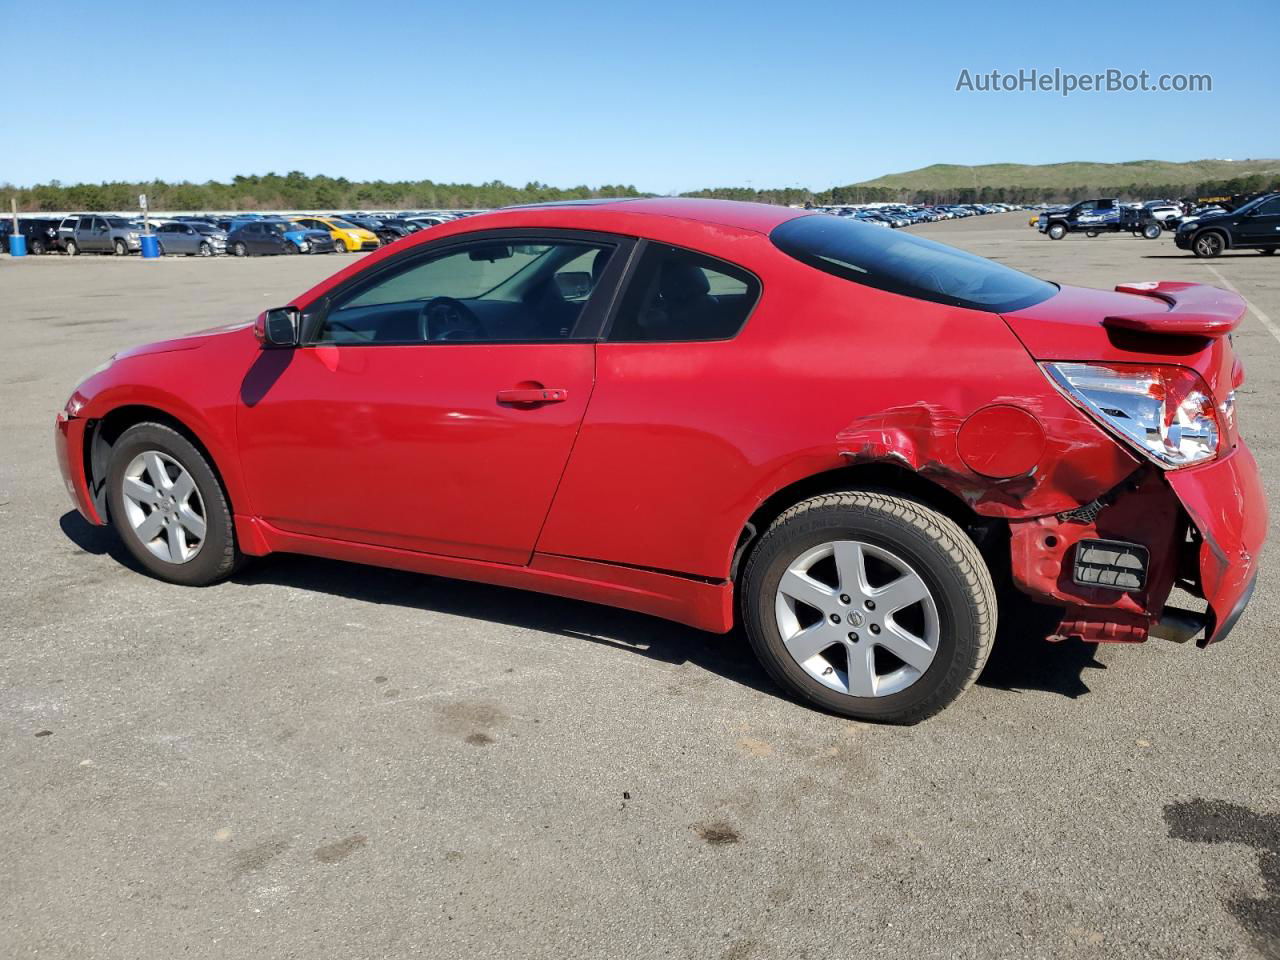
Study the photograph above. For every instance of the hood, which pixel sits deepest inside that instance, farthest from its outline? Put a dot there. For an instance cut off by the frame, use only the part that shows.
(190, 341)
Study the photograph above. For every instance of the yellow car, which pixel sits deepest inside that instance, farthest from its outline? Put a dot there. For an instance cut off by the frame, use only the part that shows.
(347, 237)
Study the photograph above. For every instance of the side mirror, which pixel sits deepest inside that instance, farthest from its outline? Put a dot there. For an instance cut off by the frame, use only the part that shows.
(277, 327)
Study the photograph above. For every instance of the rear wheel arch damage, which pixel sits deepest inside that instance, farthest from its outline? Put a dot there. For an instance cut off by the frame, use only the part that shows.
(989, 534)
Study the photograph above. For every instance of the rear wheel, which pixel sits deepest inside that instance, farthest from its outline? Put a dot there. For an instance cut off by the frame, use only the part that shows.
(1091, 234)
(1057, 231)
(869, 605)
(168, 507)
(1208, 245)
(1151, 231)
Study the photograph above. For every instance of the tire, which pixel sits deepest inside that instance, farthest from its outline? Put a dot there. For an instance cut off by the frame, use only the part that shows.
(339, 246)
(214, 556)
(205, 249)
(239, 250)
(1151, 231)
(1267, 251)
(1091, 234)
(37, 247)
(73, 248)
(1057, 231)
(956, 615)
(120, 248)
(1208, 245)
(160, 248)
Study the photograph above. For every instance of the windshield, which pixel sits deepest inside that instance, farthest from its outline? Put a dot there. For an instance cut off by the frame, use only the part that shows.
(343, 224)
(909, 265)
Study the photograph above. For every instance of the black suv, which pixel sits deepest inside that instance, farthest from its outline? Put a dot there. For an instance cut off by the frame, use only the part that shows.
(1253, 226)
(41, 233)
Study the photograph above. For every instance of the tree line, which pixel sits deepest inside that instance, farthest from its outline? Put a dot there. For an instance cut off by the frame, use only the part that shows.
(297, 191)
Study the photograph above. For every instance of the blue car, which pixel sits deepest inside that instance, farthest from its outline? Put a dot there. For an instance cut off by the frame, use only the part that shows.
(268, 237)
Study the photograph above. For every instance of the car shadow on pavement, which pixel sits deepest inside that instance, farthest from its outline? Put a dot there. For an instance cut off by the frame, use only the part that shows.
(1020, 660)
(1023, 659)
(660, 640)
(99, 541)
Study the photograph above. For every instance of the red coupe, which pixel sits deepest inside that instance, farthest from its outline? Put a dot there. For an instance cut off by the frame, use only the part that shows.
(842, 436)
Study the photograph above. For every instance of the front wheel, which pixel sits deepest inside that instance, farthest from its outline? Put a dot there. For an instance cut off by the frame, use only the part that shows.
(1208, 245)
(1267, 251)
(1091, 234)
(205, 249)
(120, 248)
(869, 605)
(239, 250)
(339, 246)
(37, 247)
(168, 507)
(1057, 231)
(73, 248)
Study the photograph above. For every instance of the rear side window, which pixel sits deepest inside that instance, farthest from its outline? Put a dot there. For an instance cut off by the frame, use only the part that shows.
(906, 264)
(678, 295)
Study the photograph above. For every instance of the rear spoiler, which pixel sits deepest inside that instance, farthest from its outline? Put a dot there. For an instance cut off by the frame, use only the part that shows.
(1195, 309)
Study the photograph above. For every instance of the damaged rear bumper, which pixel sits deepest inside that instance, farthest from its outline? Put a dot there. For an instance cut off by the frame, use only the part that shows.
(1200, 528)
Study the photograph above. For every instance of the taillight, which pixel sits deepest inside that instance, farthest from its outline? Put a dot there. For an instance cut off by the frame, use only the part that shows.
(1166, 412)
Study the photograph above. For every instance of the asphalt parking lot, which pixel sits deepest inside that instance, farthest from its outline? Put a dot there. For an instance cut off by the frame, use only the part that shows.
(321, 760)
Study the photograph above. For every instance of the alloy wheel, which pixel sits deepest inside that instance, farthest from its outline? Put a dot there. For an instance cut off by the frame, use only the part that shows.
(163, 506)
(857, 618)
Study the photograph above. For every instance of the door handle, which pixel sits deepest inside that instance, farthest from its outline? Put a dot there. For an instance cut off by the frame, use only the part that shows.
(531, 395)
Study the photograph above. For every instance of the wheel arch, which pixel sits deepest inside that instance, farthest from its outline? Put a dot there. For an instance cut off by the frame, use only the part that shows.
(876, 475)
(1220, 231)
(107, 429)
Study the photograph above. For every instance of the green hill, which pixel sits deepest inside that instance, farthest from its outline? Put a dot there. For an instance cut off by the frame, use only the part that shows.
(943, 177)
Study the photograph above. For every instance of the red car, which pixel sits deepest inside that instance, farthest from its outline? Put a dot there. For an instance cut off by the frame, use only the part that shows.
(844, 437)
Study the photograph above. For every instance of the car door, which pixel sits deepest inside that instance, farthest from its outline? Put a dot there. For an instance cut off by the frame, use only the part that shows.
(436, 398)
(1261, 225)
(188, 239)
(256, 238)
(88, 236)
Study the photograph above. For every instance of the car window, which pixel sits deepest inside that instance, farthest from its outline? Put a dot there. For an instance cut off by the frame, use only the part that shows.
(906, 264)
(679, 295)
(1270, 208)
(484, 290)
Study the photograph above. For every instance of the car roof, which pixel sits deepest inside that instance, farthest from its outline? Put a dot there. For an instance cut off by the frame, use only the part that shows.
(758, 217)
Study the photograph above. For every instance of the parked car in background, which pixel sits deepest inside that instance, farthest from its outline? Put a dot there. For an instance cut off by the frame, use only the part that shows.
(346, 236)
(1253, 226)
(387, 231)
(191, 238)
(41, 233)
(1090, 217)
(615, 402)
(96, 233)
(269, 237)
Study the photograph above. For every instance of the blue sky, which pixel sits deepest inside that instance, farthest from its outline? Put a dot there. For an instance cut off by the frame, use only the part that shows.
(665, 95)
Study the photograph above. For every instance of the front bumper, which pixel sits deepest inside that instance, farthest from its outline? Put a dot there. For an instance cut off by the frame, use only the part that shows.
(69, 446)
(1182, 240)
(1202, 527)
